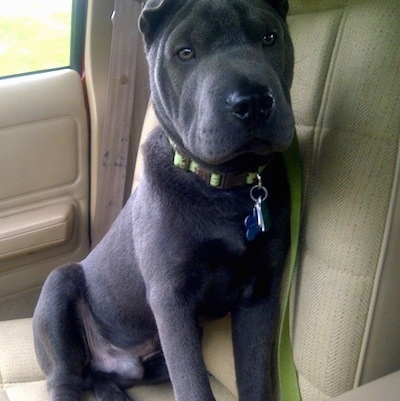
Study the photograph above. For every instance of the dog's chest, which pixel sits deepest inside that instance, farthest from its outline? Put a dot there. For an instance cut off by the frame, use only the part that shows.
(220, 274)
(201, 232)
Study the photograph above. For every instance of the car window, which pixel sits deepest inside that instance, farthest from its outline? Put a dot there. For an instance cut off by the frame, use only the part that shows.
(35, 35)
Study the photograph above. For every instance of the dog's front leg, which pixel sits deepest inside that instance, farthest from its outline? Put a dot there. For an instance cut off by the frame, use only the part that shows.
(181, 345)
(253, 334)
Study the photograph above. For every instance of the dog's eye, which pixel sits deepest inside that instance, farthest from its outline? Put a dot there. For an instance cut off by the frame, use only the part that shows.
(270, 39)
(186, 54)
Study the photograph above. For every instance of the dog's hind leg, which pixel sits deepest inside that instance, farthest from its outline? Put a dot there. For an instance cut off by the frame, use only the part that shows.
(107, 390)
(109, 387)
(58, 333)
(155, 370)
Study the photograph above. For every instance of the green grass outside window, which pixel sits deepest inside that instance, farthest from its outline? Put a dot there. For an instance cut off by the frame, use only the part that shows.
(35, 35)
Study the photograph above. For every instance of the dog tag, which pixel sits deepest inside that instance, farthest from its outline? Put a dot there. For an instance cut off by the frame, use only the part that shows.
(263, 217)
(260, 220)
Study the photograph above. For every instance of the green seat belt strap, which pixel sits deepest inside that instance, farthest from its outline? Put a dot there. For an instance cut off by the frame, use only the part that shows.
(287, 374)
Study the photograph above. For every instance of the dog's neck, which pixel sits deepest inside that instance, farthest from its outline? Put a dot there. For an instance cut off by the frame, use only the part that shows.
(216, 180)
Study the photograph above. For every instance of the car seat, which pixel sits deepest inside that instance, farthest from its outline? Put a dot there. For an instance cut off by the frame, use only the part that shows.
(345, 299)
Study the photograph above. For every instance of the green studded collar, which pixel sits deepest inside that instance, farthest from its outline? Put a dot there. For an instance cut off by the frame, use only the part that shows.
(222, 181)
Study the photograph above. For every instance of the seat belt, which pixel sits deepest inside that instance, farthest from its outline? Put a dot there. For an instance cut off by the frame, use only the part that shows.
(126, 40)
(287, 374)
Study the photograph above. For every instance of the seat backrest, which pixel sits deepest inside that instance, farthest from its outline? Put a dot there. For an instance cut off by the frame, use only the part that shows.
(346, 100)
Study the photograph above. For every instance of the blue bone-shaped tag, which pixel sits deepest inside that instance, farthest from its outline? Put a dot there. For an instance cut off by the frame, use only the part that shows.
(251, 223)
(259, 221)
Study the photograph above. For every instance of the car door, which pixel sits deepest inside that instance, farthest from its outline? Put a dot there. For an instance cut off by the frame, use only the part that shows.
(54, 67)
(44, 145)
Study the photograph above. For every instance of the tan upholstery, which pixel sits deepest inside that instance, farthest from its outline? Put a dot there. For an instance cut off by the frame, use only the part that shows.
(22, 379)
(386, 388)
(346, 98)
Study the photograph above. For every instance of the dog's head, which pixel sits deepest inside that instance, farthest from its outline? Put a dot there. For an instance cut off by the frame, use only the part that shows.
(220, 75)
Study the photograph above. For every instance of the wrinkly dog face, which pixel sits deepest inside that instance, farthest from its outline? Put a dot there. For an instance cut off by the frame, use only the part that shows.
(220, 75)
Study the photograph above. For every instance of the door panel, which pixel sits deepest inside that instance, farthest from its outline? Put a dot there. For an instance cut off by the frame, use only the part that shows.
(49, 149)
(44, 181)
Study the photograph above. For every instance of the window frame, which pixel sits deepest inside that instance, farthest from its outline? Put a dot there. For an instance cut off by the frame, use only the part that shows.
(78, 30)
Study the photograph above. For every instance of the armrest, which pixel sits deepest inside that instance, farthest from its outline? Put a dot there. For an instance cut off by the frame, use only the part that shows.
(386, 388)
(35, 230)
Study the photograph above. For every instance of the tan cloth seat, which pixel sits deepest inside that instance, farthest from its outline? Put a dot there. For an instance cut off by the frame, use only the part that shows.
(22, 379)
(346, 308)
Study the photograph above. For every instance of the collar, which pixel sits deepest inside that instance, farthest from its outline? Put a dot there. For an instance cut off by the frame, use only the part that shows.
(216, 180)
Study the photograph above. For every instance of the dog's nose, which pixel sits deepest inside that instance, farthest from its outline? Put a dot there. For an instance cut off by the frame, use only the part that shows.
(251, 105)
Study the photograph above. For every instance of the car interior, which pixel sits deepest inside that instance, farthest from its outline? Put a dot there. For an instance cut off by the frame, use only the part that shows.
(345, 303)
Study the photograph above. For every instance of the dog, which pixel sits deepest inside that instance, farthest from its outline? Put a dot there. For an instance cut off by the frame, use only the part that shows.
(205, 234)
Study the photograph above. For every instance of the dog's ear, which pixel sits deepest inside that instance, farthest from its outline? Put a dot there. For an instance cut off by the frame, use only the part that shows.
(152, 17)
(282, 6)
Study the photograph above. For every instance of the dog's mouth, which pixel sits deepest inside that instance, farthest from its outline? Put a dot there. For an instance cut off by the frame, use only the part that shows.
(243, 158)
(255, 146)
(243, 161)
(246, 157)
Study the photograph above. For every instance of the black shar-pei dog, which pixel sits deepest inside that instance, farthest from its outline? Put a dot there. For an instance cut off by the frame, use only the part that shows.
(206, 231)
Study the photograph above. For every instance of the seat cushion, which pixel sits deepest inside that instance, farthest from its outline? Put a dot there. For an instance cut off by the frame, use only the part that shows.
(346, 99)
(21, 378)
